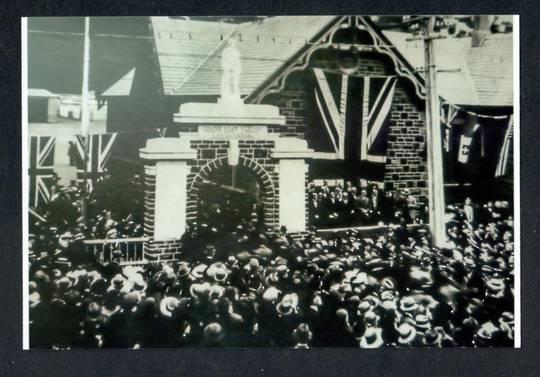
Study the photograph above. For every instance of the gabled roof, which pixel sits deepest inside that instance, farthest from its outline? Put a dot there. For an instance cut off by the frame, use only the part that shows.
(189, 52)
(42, 93)
(122, 87)
(491, 69)
(476, 76)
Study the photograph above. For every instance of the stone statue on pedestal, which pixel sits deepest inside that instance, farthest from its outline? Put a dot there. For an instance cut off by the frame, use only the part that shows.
(232, 67)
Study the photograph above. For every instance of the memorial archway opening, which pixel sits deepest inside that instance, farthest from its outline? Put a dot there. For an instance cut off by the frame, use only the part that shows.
(227, 196)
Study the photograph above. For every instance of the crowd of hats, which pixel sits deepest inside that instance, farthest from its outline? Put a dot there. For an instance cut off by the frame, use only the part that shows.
(263, 288)
(362, 203)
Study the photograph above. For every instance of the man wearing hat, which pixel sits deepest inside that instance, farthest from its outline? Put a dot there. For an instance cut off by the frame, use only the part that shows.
(372, 338)
(408, 336)
(302, 335)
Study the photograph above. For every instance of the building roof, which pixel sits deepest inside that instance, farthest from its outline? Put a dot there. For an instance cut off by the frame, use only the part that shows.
(189, 52)
(122, 87)
(476, 76)
(185, 47)
(43, 93)
(491, 68)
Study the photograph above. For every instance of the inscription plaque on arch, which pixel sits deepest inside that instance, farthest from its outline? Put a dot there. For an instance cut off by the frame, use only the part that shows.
(231, 132)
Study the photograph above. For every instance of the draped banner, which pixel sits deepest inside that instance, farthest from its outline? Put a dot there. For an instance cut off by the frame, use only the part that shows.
(354, 112)
(41, 169)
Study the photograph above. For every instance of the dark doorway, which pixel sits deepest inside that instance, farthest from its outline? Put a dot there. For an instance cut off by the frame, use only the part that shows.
(228, 197)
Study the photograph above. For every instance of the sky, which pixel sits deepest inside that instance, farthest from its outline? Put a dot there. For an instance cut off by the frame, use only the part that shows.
(55, 56)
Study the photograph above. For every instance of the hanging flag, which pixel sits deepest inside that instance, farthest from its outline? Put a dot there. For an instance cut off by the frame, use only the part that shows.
(99, 151)
(355, 112)
(41, 169)
(465, 142)
(506, 155)
(447, 116)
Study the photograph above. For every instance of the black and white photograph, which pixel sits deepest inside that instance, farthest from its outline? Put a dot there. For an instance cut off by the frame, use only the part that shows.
(271, 182)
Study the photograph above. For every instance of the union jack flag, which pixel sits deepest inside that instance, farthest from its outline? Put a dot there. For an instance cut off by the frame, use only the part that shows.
(41, 169)
(506, 156)
(355, 112)
(448, 115)
(99, 151)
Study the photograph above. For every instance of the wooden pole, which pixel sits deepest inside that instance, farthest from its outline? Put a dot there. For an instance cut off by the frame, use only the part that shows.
(434, 142)
(85, 116)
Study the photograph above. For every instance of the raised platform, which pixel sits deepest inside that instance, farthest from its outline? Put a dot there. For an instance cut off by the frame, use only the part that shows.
(234, 113)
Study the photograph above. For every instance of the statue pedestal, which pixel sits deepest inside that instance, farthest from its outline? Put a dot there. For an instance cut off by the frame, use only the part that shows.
(228, 112)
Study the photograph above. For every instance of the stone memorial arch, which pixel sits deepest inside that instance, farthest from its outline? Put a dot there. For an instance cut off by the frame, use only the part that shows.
(212, 136)
(264, 171)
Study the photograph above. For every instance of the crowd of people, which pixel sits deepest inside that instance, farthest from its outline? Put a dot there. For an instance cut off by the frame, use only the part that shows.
(255, 287)
(113, 210)
(362, 203)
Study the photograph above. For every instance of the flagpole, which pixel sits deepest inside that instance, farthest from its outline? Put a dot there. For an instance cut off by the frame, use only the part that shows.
(434, 143)
(85, 116)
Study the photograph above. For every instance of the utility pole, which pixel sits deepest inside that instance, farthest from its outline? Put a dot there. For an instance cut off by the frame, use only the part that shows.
(85, 117)
(434, 142)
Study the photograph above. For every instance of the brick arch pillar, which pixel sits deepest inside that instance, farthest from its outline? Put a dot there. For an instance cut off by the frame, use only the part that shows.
(269, 193)
(292, 154)
(165, 195)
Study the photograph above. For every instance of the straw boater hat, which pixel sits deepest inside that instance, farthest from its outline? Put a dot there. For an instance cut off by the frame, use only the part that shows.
(495, 287)
(34, 299)
(167, 305)
(288, 304)
(421, 321)
(138, 283)
(388, 283)
(407, 304)
(486, 332)
(387, 296)
(372, 338)
(199, 289)
(371, 318)
(131, 299)
(218, 271)
(271, 294)
(364, 307)
(197, 272)
(407, 333)
(263, 251)
(63, 283)
(506, 323)
(216, 291)
(117, 282)
(272, 279)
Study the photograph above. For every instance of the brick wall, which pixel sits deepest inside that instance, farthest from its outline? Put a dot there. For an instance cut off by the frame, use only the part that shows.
(405, 166)
(162, 250)
(254, 155)
(149, 199)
